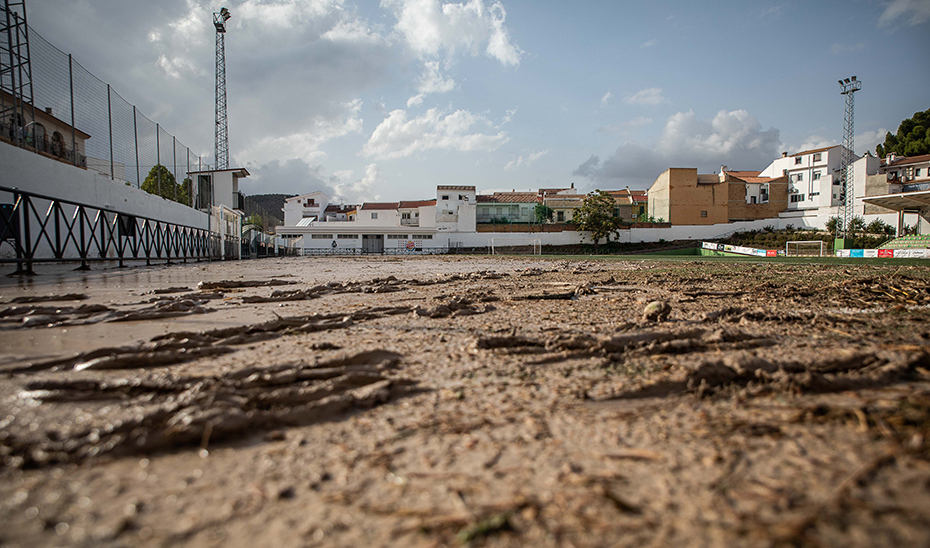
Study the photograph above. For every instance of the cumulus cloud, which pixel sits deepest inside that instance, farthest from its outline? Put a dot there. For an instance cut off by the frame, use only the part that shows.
(914, 12)
(305, 144)
(734, 138)
(868, 140)
(431, 28)
(606, 98)
(360, 190)
(397, 136)
(292, 177)
(527, 160)
(648, 96)
(648, 44)
(431, 81)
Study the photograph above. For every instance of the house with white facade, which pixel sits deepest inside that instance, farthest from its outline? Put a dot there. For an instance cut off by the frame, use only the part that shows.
(899, 191)
(814, 179)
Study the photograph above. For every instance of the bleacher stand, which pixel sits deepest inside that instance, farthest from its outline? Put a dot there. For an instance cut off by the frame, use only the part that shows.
(914, 241)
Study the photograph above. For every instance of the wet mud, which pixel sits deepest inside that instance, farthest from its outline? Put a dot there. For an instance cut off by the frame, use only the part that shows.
(472, 401)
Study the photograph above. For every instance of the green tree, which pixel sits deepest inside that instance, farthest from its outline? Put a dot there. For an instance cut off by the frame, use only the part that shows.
(879, 226)
(543, 213)
(596, 215)
(161, 182)
(253, 219)
(912, 138)
(834, 224)
(857, 225)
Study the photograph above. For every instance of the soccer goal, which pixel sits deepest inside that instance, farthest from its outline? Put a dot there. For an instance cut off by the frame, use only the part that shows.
(498, 245)
(808, 248)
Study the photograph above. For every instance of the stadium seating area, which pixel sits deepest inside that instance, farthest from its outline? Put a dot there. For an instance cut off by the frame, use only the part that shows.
(915, 241)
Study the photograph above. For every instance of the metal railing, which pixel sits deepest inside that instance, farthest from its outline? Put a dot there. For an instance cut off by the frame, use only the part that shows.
(35, 228)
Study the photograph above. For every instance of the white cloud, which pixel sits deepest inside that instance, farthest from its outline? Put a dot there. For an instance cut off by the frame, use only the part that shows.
(528, 160)
(837, 49)
(361, 190)
(734, 138)
(397, 136)
(431, 81)
(867, 140)
(648, 96)
(305, 144)
(648, 44)
(430, 28)
(914, 12)
(774, 10)
(606, 98)
(628, 125)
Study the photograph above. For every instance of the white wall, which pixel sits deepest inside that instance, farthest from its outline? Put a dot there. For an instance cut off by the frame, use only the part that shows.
(35, 173)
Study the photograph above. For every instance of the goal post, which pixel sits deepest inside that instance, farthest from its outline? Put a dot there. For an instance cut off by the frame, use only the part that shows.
(805, 248)
(494, 244)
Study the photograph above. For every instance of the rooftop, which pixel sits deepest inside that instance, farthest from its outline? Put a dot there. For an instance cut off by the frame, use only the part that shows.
(416, 203)
(380, 205)
(910, 160)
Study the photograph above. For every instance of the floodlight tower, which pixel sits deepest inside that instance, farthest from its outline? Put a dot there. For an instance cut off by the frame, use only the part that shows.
(221, 151)
(848, 87)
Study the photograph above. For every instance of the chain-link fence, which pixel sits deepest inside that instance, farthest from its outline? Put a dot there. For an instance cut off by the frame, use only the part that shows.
(82, 120)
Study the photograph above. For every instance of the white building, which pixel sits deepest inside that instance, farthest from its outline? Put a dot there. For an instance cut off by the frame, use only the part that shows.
(814, 180)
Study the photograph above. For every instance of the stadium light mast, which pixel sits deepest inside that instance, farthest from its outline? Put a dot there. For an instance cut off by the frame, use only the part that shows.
(848, 87)
(221, 149)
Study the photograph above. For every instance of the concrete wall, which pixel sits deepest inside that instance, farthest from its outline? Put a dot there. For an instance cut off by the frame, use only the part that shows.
(739, 210)
(682, 197)
(34, 173)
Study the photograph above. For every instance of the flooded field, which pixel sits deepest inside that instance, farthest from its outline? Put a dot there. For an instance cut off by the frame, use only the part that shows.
(479, 401)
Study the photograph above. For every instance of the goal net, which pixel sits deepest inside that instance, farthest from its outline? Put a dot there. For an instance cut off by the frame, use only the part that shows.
(809, 248)
(514, 245)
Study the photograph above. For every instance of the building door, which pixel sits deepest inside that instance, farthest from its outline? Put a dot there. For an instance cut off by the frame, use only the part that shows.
(372, 243)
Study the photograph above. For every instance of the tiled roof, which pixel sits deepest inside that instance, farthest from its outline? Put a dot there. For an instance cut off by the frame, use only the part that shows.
(416, 203)
(454, 187)
(911, 160)
(509, 198)
(756, 179)
(380, 205)
(742, 174)
(813, 151)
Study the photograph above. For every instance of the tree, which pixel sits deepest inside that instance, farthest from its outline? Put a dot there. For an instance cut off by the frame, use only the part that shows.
(254, 219)
(834, 224)
(879, 226)
(543, 213)
(596, 215)
(161, 182)
(857, 225)
(912, 138)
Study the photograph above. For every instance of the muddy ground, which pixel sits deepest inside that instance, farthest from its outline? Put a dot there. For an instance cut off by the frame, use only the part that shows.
(466, 401)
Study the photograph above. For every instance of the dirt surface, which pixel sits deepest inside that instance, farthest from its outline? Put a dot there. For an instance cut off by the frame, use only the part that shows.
(466, 401)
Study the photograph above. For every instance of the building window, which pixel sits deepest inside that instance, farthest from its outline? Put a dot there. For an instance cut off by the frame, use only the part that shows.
(703, 214)
(560, 216)
(404, 215)
(800, 177)
(795, 198)
(817, 157)
(422, 236)
(797, 160)
(396, 236)
(347, 236)
(374, 215)
(917, 172)
(445, 196)
(816, 175)
(321, 236)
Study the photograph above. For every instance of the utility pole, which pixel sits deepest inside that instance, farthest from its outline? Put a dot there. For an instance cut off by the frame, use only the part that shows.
(848, 87)
(221, 150)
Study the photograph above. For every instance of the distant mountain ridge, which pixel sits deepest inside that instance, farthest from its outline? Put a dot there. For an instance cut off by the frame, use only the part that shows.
(268, 206)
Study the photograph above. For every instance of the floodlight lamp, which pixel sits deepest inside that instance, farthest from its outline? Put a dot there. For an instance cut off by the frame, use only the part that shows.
(841, 82)
(853, 78)
(224, 13)
(847, 80)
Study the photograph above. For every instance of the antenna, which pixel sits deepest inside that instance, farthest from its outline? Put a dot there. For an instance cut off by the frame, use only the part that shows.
(221, 151)
(848, 87)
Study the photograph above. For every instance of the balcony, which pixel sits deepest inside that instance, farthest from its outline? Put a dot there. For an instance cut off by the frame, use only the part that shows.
(410, 222)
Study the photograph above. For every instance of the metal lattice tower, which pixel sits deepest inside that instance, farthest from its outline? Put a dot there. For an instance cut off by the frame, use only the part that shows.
(848, 87)
(221, 150)
(16, 70)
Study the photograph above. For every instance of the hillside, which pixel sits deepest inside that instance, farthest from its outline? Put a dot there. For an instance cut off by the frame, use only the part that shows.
(268, 206)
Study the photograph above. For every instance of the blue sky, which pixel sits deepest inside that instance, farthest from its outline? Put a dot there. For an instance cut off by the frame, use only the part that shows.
(384, 100)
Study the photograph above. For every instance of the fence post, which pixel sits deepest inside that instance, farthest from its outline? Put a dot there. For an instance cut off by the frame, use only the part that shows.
(110, 120)
(174, 156)
(74, 152)
(135, 132)
(158, 157)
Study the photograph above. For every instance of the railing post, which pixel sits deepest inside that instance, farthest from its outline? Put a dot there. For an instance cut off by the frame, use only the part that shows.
(82, 218)
(27, 249)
